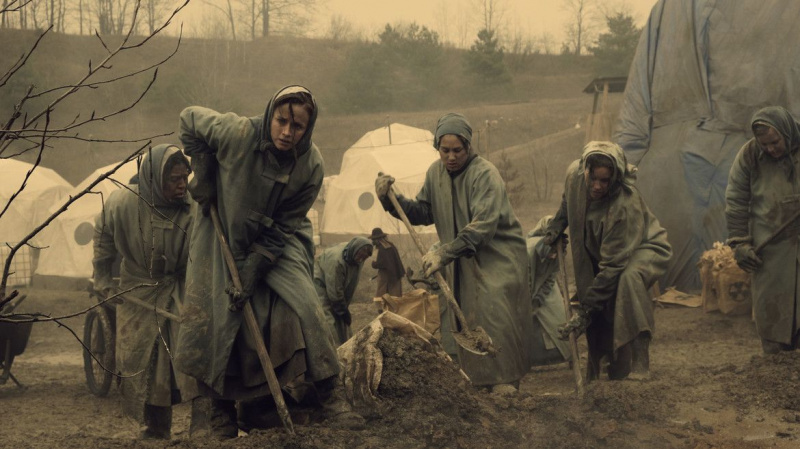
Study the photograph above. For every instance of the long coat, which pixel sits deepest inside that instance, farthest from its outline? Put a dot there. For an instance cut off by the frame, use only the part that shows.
(129, 227)
(489, 275)
(336, 282)
(284, 302)
(760, 197)
(619, 250)
(390, 269)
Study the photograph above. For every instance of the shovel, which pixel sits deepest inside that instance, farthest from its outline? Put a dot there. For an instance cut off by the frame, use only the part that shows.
(476, 341)
(778, 231)
(573, 342)
(251, 326)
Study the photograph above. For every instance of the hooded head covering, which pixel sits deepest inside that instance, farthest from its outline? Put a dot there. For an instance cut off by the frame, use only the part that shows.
(452, 123)
(151, 176)
(782, 120)
(352, 248)
(624, 174)
(294, 91)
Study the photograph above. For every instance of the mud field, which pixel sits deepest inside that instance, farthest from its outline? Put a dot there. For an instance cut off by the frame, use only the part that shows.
(710, 388)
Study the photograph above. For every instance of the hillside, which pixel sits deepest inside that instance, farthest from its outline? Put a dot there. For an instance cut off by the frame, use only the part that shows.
(543, 97)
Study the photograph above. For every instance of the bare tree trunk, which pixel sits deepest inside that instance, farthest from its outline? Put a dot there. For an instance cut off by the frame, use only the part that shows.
(231, 18)
(80, 16)
(3, 23)
(151, 15)
(265, 18)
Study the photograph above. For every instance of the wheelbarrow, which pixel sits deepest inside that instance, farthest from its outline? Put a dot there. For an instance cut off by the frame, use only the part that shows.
(13, 340)
(99, 331)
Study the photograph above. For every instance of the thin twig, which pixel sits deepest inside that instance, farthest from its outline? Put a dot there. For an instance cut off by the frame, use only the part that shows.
(91, 354)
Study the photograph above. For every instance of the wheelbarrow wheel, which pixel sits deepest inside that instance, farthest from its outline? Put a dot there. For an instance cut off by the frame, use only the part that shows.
(98, 336)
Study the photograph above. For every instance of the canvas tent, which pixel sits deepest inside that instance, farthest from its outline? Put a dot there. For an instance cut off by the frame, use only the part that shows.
(702, 68)
(69, 236)
(350, 203)
(30, 208)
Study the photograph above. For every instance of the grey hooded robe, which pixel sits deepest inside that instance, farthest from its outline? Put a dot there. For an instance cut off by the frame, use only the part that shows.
(154, 250)
(489, 276)
(762, 194)
(285, 304)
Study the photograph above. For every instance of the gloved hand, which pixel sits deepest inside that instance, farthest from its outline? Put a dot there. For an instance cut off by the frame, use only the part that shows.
(746, 257)
(382, 185)
(578, 323)
(203, 186)
(435, 259)
(254, 268)
(342, 312)
(546, 248)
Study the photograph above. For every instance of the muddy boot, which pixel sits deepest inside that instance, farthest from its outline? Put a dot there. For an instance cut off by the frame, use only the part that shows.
(158, 422)
(640, 362)
(334, 410)
(223, 419)
(259, 413)
(619, 365)
(200, 425)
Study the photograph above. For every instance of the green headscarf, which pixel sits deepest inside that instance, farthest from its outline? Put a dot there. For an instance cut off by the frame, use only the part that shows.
(293, 91)
(151, 176)
(352, 248)
(782, 120)
(624, 174)
(453, 123)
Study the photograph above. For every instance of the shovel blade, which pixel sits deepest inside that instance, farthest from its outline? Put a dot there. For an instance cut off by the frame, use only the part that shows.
(476, 341)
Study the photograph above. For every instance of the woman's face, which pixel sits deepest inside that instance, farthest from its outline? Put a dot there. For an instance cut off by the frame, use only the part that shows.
(284, 131)
(452, 152)
(772, 142)
(363, 254)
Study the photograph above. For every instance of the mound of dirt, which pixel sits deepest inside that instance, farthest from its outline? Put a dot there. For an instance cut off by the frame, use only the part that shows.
(425, 401)
(769, 381)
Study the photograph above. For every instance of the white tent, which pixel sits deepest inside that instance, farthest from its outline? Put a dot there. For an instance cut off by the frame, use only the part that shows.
(69, 236)
(350, 203)
(29, 209)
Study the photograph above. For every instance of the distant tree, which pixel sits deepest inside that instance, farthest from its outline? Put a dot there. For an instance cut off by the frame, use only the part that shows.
(485, 59)
(340, 29)
(579, 24)
(615, 48)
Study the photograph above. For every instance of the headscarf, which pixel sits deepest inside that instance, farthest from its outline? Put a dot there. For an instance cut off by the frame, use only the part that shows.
(624, 174)
(304, 144)
(352, 248)
(782, 120)
(151, 176)
(452, 123)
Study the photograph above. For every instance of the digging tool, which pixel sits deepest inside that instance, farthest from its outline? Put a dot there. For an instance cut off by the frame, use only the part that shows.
(778, 231)
(251, 327)
(573, 341)
(148, 306)
(476, 341)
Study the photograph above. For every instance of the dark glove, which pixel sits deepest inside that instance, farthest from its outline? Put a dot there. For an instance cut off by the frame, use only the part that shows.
(341, 312)
(203, 185)
(577, 324)
(255, 267)
(746, 257)
(546, 248)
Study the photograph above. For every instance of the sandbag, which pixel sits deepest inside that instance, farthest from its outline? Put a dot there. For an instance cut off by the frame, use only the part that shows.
(726, 287)
(418, 306)
(361, 360)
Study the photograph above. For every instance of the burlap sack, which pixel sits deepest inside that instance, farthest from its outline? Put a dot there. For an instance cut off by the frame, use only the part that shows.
(417, 306)
(733, 291)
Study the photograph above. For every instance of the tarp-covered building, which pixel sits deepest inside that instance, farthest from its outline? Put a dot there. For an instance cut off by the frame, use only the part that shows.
(702, 68)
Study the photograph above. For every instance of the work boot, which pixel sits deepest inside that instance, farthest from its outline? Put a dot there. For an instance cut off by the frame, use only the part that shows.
(158, 422)
(640, 358)
(200, 425)
(223, 419)
(259, 413)
(770, 347)
(334, 410)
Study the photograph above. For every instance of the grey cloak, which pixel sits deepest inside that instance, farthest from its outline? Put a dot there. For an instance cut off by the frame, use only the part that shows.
(762, 194)
(489, 276)
(154, 247)
(248, 177)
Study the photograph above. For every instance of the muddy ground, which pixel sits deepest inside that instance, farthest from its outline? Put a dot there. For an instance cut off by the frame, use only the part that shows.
(710, 388)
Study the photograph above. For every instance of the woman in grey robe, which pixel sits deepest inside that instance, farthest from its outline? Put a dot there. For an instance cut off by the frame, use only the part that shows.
(481, 252)
(336, 273)
(148, 226)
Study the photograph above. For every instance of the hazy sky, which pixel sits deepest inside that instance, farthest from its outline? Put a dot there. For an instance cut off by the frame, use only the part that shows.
(530, 17)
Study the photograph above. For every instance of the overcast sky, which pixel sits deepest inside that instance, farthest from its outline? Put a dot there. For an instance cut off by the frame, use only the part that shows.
(530, 17)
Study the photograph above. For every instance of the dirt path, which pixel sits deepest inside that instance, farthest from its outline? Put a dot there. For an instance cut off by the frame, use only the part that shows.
(710, 388)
